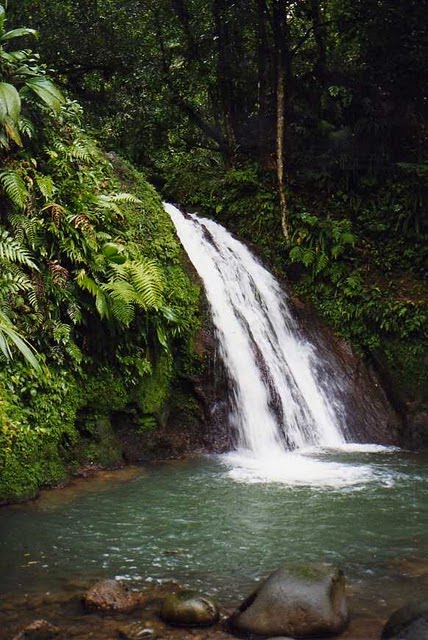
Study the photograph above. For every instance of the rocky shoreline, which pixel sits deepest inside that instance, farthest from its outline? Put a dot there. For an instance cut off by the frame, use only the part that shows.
(296, 601)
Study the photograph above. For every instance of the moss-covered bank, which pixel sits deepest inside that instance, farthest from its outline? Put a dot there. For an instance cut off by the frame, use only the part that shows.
(111, 346)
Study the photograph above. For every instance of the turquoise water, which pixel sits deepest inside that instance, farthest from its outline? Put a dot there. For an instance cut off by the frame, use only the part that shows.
(194, 522)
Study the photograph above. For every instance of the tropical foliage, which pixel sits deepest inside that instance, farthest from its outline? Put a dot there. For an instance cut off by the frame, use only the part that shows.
(90, 279)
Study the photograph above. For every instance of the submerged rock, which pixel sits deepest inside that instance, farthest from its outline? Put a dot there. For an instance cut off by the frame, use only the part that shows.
(137, 631)
(111, 595)
(38, 630)
(300, 601)
(408, 623)
(189, 609)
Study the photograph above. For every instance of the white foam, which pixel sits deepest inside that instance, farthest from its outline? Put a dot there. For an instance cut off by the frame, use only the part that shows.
(297, 469)
(350, 447)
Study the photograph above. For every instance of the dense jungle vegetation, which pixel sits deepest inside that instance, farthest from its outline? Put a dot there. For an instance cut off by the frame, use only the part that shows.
(302, 125)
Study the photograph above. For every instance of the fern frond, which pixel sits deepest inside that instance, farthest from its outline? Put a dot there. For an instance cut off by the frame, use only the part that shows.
(86, 282)
(15, 280)
(106, 204)
(13, 251)
(61, 332)
(46, 186)
(120, 289)
(81, 150)
(74, 313)
(32, 298)
(25, 227)
(26, 127)
(146, 278)
(123, 198)
(14, 187)
(123, 312)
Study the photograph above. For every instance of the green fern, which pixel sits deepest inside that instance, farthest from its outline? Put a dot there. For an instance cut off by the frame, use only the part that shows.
(86, 282)
(61, 332)
(14, 280)
(46, 186)
(13, 251)
(121, 310)
(25, 228)
(112, 202)
(14, 187)
(146, 278)
(74, 313)
(26, 127)
(82, 150)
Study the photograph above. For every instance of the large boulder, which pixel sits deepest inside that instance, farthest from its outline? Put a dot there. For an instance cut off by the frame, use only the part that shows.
(111, 596)
(408, 623)
(38, 630)
(189, 609)
(300, 601)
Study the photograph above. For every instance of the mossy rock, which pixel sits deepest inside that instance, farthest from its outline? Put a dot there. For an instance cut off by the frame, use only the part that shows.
(298, 600)
(189, 609)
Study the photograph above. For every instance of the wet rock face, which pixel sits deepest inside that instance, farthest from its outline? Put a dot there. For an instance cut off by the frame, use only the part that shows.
(38, 630)
(408, 623)
(189, 609)
(299, 601)
(111, 596)
(368, 414)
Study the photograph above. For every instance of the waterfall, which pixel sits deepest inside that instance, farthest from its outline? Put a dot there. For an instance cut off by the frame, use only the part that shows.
(278, 401)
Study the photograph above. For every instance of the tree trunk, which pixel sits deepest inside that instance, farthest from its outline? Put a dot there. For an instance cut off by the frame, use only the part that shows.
(282, 71)
(280, 119)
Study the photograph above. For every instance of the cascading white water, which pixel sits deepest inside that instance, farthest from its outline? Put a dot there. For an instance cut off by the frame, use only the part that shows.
(279, 403)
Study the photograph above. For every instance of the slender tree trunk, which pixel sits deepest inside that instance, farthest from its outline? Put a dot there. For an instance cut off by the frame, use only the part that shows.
(280, 120)
(282, 71)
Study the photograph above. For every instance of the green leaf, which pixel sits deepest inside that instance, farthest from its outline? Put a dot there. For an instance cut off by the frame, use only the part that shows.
(46, 185)
(114, 252)
(18, 33)
(47, 91)
(8, 334)
(2, 18)
(14, 187)
(296, 254)
(12, 131)
(13, 251)
(101, 304)
(161, 335)
(10, 103)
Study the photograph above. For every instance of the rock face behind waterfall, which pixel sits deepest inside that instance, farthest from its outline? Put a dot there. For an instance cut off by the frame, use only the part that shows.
(369, 414)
